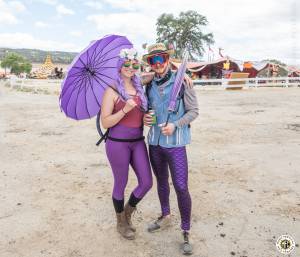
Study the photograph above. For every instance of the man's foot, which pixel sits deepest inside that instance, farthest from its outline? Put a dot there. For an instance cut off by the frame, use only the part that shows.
(187, 248)
(160, 223)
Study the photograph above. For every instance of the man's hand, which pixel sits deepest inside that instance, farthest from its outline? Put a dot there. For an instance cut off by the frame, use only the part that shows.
(168, 130)
(188, 81)
(148, 119)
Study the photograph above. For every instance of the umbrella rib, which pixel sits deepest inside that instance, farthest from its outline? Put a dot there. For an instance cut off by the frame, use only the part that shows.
(70, 99)
(82, 62)
(114, 49)
(100, 52)
(76, 85)
(103, 61)
(80, 77)
(75, 67)
(91, 86)
(103, 56)
(77, 100)
(107, 85)
(79, 90)
(80, 87)
(88, 61)
(86, 106)
(94, 92)
(93, 53)
(75, 74)
(97, 44)
(104, 76)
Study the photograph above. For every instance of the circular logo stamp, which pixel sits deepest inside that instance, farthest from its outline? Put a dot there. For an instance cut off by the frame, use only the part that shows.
(285, 244)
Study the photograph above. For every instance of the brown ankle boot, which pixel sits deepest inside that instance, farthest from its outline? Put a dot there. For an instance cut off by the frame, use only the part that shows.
(123, 227)
(128, 213)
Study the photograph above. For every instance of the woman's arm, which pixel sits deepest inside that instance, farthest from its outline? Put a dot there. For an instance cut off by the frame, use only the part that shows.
(108, 119)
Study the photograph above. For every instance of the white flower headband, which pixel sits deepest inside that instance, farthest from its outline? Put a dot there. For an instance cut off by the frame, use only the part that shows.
(130, 54)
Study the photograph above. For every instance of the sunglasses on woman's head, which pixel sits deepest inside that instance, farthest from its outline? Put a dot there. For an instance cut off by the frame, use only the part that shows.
(134, 65)
(160, 58)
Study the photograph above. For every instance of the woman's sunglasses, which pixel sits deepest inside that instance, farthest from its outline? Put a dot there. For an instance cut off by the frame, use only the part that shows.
(154, 59)
(134, 65)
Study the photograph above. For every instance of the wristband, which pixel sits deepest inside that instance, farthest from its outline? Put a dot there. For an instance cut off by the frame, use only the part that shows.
(123, 111)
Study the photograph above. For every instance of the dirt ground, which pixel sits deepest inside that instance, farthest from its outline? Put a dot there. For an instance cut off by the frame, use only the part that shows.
(244, 179)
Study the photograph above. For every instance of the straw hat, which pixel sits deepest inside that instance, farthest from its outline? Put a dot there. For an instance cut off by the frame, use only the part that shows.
(157, 48)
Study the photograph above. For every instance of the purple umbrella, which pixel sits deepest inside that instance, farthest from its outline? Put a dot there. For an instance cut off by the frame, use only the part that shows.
(91, 72)
(177, 85)
(178, 82)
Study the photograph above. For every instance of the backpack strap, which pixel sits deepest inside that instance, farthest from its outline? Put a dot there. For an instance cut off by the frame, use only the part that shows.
(148, 87)
(104, 137)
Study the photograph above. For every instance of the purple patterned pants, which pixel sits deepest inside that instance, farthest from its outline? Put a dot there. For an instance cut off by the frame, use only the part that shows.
(176, 159)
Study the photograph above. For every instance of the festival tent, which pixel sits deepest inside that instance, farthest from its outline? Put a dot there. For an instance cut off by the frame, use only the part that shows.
(223, 66)
(293, 71)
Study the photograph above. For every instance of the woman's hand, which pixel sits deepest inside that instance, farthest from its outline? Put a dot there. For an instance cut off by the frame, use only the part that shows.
(130, 104)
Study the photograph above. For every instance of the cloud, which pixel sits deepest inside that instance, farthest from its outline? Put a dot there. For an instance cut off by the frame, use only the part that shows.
(40, 24)
(94, 4)
(50, 2)
(62, 10)
(136, 26)
(76, 33)
(9, 11)
(24, 40)
(17, 6)
(246, 30)
(7, 18)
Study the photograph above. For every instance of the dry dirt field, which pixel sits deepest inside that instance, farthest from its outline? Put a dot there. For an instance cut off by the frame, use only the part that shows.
(244, 179)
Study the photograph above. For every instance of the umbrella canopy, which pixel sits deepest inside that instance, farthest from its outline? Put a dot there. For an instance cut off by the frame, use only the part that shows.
(91, 72)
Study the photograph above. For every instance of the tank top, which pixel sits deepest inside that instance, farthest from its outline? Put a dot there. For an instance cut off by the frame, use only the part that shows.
(134, 118)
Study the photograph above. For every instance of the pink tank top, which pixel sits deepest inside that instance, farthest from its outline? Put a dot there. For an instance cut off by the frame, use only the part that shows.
(133, 118)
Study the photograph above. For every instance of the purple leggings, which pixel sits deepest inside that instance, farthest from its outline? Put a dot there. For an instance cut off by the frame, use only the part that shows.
(123, 154)
(176, 159)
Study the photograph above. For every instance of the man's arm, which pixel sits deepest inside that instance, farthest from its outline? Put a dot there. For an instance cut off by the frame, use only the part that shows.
(191, 107)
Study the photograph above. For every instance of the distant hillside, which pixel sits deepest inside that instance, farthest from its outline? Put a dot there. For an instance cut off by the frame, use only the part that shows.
(39, 56)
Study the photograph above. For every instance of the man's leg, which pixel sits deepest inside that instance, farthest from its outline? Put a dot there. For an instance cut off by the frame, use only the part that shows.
(177, 160)
(160, 170)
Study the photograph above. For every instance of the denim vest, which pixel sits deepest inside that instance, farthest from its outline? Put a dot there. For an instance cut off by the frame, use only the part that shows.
(181, 135)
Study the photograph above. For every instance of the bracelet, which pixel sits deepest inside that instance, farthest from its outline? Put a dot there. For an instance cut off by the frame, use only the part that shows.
(123, 111)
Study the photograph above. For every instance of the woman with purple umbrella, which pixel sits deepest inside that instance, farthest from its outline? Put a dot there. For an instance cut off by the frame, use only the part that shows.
(121, 113)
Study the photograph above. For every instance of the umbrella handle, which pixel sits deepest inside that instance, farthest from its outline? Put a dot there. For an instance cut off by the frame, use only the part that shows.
(167, 119)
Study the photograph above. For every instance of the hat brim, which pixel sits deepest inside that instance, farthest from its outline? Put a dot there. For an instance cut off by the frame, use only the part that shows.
(169, 52)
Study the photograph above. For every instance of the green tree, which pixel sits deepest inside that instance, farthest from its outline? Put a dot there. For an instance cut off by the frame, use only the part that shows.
(16, 63)
(182, 31)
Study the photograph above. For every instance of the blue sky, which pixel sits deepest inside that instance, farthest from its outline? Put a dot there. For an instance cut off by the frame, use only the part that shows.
(246, 30)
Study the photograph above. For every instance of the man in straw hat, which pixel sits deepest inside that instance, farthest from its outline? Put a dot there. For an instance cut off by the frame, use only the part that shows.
(167, 141)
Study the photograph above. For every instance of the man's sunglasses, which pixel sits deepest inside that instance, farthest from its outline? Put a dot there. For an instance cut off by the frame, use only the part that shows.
(134, 65)
(154, 59)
